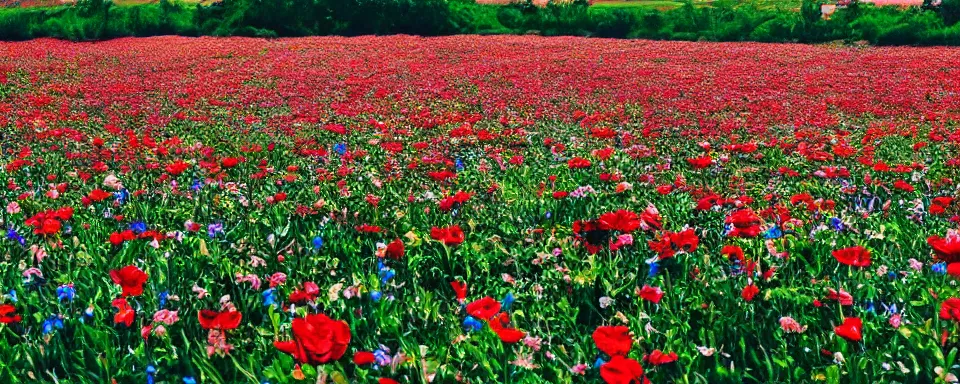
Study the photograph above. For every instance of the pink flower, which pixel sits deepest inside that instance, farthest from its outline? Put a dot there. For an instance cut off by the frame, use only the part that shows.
(277, 279)
(579, 369)
(165, 316)
(13, 208)
(789, 325)
(915, 265)
(895, 320)
(250, 278)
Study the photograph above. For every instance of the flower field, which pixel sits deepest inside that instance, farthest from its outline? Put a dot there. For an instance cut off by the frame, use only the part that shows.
(477, 210)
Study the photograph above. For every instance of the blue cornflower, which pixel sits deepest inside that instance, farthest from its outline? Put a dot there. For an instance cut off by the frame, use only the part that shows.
(66, 292)
(836, 224)
(773, 233)
(386, 275)
(654, 268)
(507, 301)
(121, 196)
(317, 242)
(269, 297)
(197, 184)
(375, 296)
(13, 296)
(471, 324)
(13, 235)
(189, 380)
(940, 268)
(340, 148)
(548, 215)
(599, 362)
(51, 323)
(151, 370)
(382, 357)
(214, 229)
(163, 298)
(459, 164)
(138, 227)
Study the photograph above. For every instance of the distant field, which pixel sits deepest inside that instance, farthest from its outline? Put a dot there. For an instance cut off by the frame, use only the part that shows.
(53, 3)
(669, 4)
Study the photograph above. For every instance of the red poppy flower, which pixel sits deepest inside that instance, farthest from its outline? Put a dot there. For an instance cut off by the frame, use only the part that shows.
(364, 358)
(395, 250)
(621, 220)
(483, 308)
(460, 288)
(946, 249)
(657, 357)
(855, 256)
(613, 340)
(851, 329)
(452, 235)
(8, 314)
(309, 293)
(749, 292)
(225, 320)
(98, 195)
(317, 339)
(903, 186)
(509, 335)
(732, 252)
(700, 162)
(950, 309)
(621, 370)
(648, 293)
(578, 163)
(230, 162)
(745, 223)
(125, 313)
(384, 380)
(130, 279)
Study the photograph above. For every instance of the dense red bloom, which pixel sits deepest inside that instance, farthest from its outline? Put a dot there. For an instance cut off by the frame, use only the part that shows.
(657, 357)
(851, 329)
(98, 195)
(177, 167)
(125, 313)
(903, 186)
(394, 250)
(309, 293)
(700, 162)
(317, 339)
(384, 380)
(670, 243)
(452, 235)
(940, 205)
(559, 195)
(117, 238)
(8, 314)
(749, 292)
(449, 203)
(130, 279)
(460, 288)
(591, 234)
(225, 320)
(364, 358)
(483, 308)
(506, 334)
(652, 294)
(578, 163)
(855, 256)
(621, 370)
(613, 340)
(650, 219)
(745, 223)
(950, 309)
(230, 162)
(732, 252)
(946, 249)
(622, 220)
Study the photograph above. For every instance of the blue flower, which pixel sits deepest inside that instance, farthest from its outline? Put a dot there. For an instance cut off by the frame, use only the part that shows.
(269, 297)
(317, 242)
(507, 301)
(163, 298)
(598, 363)
(340, 148)
(13, 235)
(138, 227)
(197, 184)
(66, 292)
(654, 268)
(940, 268)
(13, 295)
(459, 164)
(121, 196)
(214, 229)
(836, 224)
(548, 214)
(382, 358)
(189, 380)
(51, 323)
(471, 324)
(386, 275)
(773, 233)
(151, 370)
(376, 295)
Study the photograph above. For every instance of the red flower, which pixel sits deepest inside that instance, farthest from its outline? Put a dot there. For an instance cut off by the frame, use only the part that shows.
(130, 279)
(621, 220)
(732, 252)
(317, 339)
(700, 162)
(483, 308)
(230, 162)
(950, 309)
(745, 223)
(309, 293)
(613, 340)
(395, 250)
(98, 195)
(657, 357)
(649, 293)
(384, 380)
(460, 288)
(364, 358)
(947, 248)
(903, 186)
(591, 234)
(8, 314)
(621, 370)
(507, 335)
(856, 256)
(578, 163)
(225, 320)
(452, 235)
(851, 329)
(125, 312)
(749, 292)
(558, 195)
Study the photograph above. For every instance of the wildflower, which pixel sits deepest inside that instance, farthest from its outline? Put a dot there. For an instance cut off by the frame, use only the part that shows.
(789, 325)
(66, 292)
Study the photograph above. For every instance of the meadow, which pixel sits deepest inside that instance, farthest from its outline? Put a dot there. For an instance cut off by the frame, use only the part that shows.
(510, 209)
